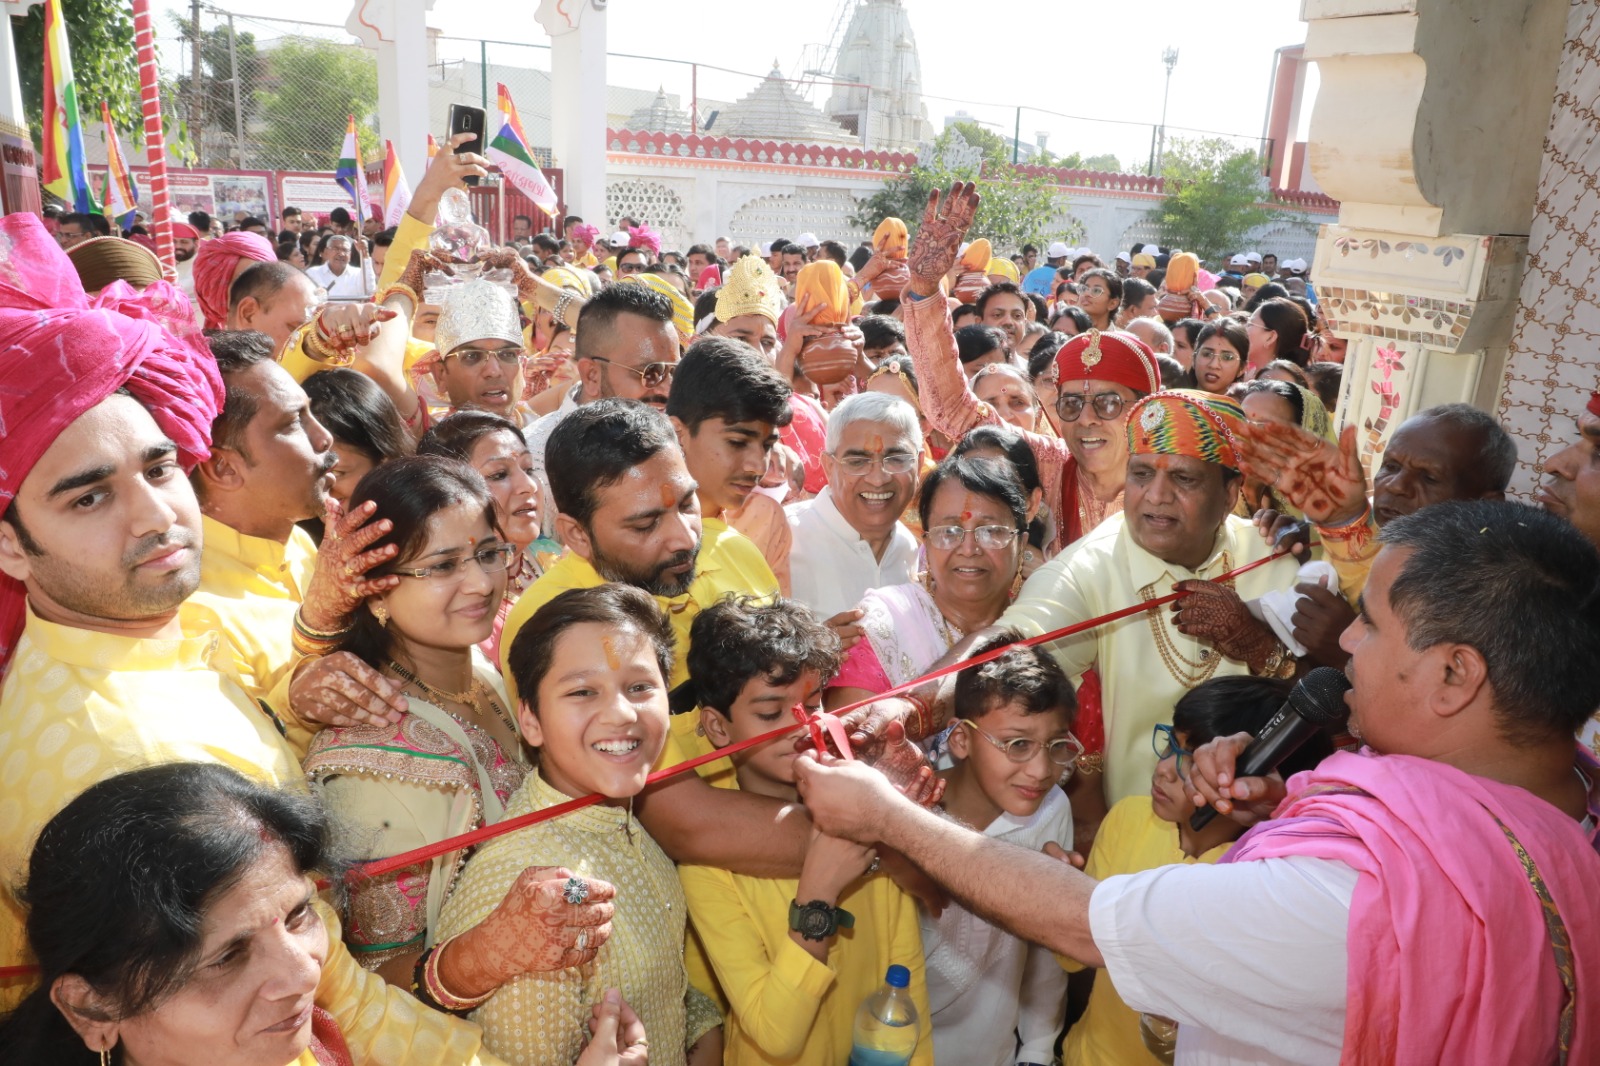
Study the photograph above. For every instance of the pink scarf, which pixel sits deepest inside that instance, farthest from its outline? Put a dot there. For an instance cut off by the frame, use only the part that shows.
(1450, 953)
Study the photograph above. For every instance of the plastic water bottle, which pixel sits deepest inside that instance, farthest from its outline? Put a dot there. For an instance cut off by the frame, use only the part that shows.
(886, 1023)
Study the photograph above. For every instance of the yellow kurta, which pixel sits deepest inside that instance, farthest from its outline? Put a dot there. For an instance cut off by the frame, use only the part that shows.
(729, 564)
(540, 1019)
(1106, 571)
(1131, 839)
(254, 586)
(785, 1005)
(78, 707)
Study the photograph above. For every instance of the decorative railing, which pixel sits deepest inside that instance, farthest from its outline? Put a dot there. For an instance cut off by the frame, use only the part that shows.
(836, 157)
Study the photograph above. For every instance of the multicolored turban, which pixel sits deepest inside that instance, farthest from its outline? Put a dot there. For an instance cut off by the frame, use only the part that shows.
(1120, 358)
(1188, 422)
(682, 309)
(61, 354)
(216, 265)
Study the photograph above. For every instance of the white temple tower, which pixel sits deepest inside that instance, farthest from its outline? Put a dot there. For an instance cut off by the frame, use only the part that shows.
(879, 50)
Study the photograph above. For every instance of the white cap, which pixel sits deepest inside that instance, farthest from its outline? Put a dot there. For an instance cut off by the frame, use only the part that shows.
(1149, 249)
(1296, 265)
(1254, 257)
(619, 239)
(1058, 250)
(1124, 257)
(1239, 261)
(807, 240)
(766, 249)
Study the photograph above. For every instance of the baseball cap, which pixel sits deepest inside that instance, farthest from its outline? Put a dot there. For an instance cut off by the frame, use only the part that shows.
(1123, 257)
(1057, 250)
(807, 240)
(1254, 257)
(1240, 261)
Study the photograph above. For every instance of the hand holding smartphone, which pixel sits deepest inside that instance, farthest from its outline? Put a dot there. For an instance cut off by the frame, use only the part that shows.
(465, 119)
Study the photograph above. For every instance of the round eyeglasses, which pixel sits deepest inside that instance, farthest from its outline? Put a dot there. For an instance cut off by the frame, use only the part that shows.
(1063, 751)
(652, 375)
(945, 538)
(1107, 405)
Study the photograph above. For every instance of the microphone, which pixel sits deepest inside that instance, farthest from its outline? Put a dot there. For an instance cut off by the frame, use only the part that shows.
(1315, 704)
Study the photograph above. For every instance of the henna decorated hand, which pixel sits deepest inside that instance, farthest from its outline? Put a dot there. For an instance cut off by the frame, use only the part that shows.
(1325, 481)
(341, 690)
(532, 930)
(938, 241)
(421, 262)
(1215, 613)
(339, 582)
(867, 727)
(345, 326)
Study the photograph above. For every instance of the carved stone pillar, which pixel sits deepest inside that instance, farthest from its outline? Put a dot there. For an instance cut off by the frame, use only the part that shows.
(577, 31)
(1428, 129)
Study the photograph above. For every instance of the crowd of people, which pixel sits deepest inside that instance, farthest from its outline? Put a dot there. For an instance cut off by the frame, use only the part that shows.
(350, 610)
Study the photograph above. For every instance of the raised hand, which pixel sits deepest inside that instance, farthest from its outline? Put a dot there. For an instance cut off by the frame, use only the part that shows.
(1325, 481)
(339, 582)
(938, 241)
(346, 326)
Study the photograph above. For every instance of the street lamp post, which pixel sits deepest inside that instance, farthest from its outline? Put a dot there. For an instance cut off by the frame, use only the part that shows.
(1170, 58)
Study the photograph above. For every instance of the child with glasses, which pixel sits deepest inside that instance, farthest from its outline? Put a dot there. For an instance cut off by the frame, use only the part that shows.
(1013, 745)
(794, 957)
(1144, 832)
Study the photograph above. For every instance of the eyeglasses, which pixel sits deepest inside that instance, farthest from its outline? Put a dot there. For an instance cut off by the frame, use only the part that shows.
(652, 376)
(893, 463)
(1063, 751)
(1164, 739)
(1095, 290)
(474, 357)
(1221, 355)
(490, 560)
(994, 537)
(1107, 405)
(630, 268)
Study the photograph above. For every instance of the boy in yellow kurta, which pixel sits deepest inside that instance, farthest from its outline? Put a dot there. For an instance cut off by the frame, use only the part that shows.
(793, 995)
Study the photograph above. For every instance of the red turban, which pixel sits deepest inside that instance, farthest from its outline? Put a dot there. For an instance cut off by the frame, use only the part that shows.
(1594, 404)
(61, 354)
(185, 232)
(1121, 358)
(216, 264)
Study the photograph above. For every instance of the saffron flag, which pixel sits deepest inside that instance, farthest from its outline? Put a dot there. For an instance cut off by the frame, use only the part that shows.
(508, 112)
(350, 174)
(121, 197)
(433, 146)
(66, 173)
(509, 151)
(396, 193)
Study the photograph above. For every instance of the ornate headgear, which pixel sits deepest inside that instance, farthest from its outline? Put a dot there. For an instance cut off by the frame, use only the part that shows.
(1201, 425)
(751, 288)
(563, 277)
(646, 238)
(476, 310)
(584, 232)
(682, 309)
(1121, 358)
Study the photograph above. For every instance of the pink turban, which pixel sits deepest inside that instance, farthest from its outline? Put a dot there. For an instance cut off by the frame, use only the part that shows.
(61, 354)
(584, 232)
(710, 277)
(216, 264)
(644, 237)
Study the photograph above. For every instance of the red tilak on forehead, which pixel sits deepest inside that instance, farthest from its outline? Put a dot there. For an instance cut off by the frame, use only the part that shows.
(1594, 404)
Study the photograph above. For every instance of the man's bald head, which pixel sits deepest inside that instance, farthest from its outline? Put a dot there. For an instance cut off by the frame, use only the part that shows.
(1450, 452)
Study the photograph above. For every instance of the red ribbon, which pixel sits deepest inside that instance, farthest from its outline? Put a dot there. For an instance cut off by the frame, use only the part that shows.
(820, 727)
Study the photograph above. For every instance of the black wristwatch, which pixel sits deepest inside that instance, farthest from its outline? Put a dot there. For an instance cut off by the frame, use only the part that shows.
(818, 920)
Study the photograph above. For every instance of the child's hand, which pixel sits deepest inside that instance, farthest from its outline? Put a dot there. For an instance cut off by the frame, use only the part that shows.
(617, 1035)
(837, 862)
(1071, 858)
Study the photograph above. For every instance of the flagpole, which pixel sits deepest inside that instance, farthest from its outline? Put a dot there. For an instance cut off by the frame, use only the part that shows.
(155, 145)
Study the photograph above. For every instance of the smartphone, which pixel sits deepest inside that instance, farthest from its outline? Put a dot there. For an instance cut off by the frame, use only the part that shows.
(464, 119)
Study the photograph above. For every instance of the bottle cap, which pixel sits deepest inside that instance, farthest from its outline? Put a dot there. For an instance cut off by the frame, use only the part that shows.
(898, 976)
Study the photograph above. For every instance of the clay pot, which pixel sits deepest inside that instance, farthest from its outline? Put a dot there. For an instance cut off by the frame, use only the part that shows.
(828, 358)
(970, 286)
(889, 284)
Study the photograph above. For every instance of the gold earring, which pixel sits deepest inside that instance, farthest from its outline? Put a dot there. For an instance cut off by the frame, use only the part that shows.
(381, 613)
(105, 1055)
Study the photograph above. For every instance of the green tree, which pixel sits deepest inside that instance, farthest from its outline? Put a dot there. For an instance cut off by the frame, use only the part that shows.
(1015, 208)
(100, 38)
(211, 110)
(1213, 196)
(314, 84)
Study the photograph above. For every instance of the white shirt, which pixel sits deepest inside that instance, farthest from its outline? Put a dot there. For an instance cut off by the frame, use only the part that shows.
(831, 565)
(351, 285)
(537, 433)
(985, 986)
(1248, 958)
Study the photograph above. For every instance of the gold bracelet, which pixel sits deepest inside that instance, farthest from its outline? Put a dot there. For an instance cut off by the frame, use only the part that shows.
(399, 288)
(319, 349)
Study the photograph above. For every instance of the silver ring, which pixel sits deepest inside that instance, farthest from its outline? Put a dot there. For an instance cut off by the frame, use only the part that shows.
(575, 891)
(583, 941)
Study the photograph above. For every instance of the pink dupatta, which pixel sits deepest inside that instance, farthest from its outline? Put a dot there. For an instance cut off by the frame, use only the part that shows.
(1474, 930)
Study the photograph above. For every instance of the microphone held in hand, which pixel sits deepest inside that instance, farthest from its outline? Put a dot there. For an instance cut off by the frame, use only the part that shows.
(1315, 704)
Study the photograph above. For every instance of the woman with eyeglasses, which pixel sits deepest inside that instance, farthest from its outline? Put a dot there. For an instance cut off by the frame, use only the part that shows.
(974, 513)
(1144, 832)
(455, 756)
(1220, 351)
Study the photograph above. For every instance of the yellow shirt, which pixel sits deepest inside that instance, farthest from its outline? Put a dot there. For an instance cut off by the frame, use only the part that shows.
(729, 564)
(254, 586)
(78, 707)
(1144, 663)
(1131, 839)
(539, 1019)
(787, 1007)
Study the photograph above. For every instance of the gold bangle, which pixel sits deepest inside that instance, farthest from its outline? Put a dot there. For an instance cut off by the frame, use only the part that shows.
(318, 349)
(398, 288)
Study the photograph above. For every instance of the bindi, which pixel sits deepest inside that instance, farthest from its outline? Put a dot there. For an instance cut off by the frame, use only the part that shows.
(613, 660)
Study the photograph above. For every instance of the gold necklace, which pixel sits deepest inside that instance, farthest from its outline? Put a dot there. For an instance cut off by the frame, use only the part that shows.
(1091, 512)
(475, 696)
(1184, 670)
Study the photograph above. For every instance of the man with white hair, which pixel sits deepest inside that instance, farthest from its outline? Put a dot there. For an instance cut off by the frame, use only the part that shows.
(849, 538)
(1155, 334)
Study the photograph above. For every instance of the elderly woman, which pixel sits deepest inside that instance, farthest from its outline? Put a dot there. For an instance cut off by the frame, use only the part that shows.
(175, 917)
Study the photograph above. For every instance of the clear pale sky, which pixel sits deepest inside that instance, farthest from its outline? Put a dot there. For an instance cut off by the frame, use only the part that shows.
(1098, 62)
